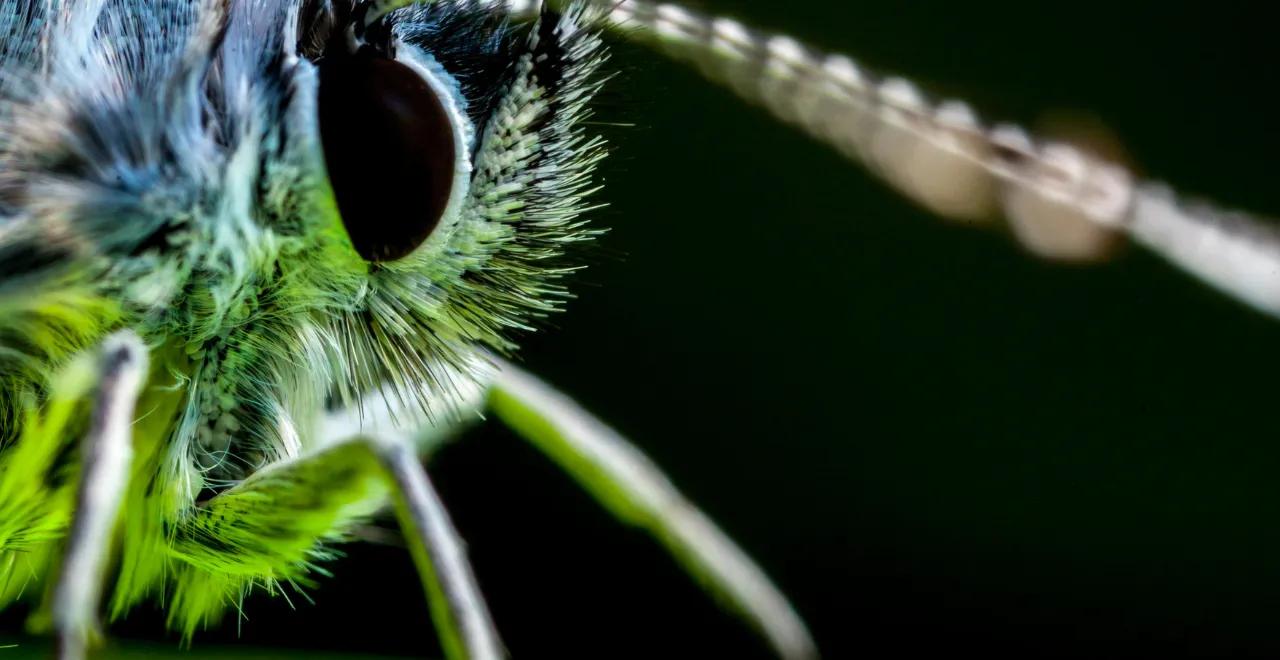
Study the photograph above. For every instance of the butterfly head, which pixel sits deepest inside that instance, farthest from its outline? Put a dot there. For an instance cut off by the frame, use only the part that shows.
(292, 204)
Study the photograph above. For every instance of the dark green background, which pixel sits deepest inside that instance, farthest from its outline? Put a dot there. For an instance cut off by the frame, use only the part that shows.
(933, 441)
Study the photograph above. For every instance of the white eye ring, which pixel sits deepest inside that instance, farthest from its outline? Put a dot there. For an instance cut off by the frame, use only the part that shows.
(455, 104)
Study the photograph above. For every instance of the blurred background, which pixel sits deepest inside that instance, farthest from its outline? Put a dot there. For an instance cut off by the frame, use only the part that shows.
(932, 440)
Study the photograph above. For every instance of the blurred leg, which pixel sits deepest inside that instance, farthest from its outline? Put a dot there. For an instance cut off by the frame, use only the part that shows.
(627, 483)
(270, 527)
(105, 460)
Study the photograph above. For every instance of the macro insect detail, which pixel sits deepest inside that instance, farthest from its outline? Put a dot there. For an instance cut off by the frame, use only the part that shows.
(256, 256)
(253, 255)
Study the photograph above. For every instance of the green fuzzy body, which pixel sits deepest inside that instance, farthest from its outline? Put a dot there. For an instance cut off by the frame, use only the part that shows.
(173, 185)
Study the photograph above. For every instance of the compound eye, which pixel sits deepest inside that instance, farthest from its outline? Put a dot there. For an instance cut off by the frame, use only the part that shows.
(391, 150)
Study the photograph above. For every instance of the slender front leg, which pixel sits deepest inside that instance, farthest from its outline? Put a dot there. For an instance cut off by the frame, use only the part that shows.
(105, 460)
(456, 603)
(274, 524)
(626, 482)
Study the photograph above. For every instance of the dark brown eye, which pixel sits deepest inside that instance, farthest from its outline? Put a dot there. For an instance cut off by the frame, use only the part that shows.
(389, 146)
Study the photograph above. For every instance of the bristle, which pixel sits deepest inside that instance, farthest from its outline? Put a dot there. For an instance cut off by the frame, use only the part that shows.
(168, 170)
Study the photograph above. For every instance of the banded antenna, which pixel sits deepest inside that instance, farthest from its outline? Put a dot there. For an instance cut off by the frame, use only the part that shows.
(939, 155)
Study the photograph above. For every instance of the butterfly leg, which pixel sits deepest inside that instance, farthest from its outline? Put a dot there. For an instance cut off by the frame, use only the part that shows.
(270, 528)
(441, 557)
(106, 455)
(629, 485)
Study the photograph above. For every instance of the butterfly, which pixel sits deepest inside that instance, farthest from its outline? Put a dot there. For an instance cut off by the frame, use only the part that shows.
(302, 235)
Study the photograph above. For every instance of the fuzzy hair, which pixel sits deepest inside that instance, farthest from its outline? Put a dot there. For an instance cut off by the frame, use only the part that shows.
(161, 170)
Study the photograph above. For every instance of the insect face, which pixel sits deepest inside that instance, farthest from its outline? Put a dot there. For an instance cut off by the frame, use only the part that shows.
(321, 222)
(292, 216)
(292, 205)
